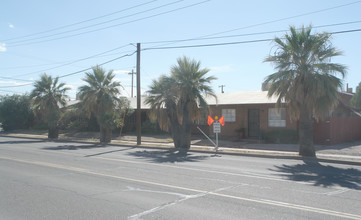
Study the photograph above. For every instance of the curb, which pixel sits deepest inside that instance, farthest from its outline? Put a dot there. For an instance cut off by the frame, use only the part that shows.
(327, 158)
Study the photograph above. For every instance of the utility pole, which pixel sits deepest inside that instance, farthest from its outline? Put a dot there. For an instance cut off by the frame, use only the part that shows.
(138, 114)
(221, 86)
(132, 73)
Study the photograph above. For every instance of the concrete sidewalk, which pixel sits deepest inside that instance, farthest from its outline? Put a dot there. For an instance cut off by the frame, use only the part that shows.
(349, 153)
(343, 153)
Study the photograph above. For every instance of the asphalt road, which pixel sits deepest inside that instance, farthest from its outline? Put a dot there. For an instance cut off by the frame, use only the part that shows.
(64, 180)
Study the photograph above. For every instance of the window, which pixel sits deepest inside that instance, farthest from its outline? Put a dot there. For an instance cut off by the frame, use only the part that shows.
(229, 115)
(277, 117)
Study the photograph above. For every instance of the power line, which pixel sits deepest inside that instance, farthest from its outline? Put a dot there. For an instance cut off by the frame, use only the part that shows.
(97, 24)
(24, 80)
(282, 19)
(232, 43)
(180, 47)
(347, 31)
(72, 62)
(247, 34)
(263, 23)
(80, 22)
(111, 26)
(77, 72)
(109, 61)
(168, 41)
(207, 45)
(27, 84)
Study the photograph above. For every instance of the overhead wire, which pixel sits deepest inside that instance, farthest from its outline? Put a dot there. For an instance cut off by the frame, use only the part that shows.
(97, 24)
(246, 34)
(179, 47)
(268, 22)
(111, 26)
(80, 22)
(286, 18)
(232, 43)
(220, 44)
(168, 41)
(77, 72)
(75, 61)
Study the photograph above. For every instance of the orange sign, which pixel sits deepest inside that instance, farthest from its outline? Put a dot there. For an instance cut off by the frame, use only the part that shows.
(211, 120)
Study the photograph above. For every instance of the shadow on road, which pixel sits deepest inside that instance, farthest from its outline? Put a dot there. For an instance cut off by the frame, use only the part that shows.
(22, 142)
(320, 175)
(75, 147)
(168, 156)
(109, 152)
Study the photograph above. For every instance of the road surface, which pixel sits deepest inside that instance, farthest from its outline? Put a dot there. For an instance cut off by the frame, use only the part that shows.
(65, 180)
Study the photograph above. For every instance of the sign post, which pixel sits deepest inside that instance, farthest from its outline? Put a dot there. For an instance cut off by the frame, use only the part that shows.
(216, 130)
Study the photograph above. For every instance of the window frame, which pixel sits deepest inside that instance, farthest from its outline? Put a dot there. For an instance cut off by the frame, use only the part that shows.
(229, 114)
(280, 120)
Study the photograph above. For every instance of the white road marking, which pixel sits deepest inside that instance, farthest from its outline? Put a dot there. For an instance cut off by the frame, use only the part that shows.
(259, 201)
(250, 175)
(337, 192)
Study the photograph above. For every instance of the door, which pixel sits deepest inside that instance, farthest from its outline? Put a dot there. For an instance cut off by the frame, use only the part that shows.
(253, 123)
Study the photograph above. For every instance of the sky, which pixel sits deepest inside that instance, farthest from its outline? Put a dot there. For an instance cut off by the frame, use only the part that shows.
(66, 38)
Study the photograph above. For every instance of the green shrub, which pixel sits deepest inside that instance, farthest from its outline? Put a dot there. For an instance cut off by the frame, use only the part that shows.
(150, 128)
(15, 112)
(281, 136)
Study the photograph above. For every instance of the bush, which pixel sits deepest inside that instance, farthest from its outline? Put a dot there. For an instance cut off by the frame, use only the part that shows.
(75, 119)
(15, 112)
(150, 128)
(281, 136)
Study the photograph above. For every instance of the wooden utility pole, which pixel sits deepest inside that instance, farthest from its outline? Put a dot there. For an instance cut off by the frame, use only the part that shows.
(138, 115)
(222, 86)
(131, 92)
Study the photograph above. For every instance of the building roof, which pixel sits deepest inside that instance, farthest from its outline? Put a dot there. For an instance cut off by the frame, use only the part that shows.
(238, 98)
(231, 98)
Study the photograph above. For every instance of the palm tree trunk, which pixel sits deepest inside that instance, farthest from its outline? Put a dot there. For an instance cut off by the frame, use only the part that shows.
(175, 127)
(306, 134)
(176, 134)
(186, 128)
(105, 134)
(53, 132)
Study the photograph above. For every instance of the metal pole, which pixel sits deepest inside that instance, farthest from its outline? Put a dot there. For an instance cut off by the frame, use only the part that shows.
(139, 115)
(216, 142)
(207, 137)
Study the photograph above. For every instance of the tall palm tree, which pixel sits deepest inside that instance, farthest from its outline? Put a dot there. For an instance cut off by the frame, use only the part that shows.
(181, 97)
(305, 79)
(100, 98)
(48, 97)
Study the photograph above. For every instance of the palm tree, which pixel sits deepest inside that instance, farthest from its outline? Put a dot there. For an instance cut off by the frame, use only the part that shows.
(181, 97)
(100, 98)
(47, 98)
(305, 79)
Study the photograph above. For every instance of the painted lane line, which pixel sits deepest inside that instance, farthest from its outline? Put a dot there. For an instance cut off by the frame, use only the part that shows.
(244, 174)
(259, 201)
(250, 175)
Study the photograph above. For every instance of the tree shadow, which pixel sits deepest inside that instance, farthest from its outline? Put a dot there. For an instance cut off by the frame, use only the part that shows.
(109, 152)
(168, 156)
(22, 142)
(338, 146)
(75, 147)
(320, 175)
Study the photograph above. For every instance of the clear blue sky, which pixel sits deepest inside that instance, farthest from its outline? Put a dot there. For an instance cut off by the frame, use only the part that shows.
(58, 45)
